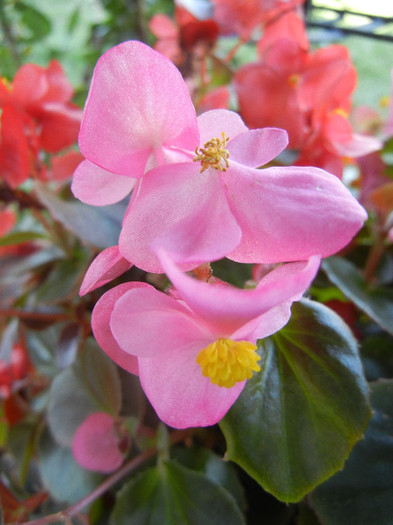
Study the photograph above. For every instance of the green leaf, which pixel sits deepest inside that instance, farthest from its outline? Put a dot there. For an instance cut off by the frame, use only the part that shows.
(99, 375)
(174, 495)
(375, 301)
(362, 494)
(214, 467)
(297, 420)
(63, 477)
(19, 237)
(37, 24)
(91, 385)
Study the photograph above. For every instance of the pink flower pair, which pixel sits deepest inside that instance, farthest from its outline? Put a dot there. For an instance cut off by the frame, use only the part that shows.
(197, 191)
(197, 196)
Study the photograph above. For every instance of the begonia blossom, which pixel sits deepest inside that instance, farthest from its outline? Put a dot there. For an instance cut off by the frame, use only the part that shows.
(198, 192)
(97, 444)
(219, 204)
(138, 114)
(196, 348)
(37, 113)
(307, 93)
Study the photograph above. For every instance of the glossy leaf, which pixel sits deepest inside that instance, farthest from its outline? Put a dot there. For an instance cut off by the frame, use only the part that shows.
(297, 420)
(172, 494)
(362, 493)
(375, 301)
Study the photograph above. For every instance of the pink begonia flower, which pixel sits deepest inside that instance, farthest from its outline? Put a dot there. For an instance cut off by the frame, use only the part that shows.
(220, 204)
(138, 114)
(199, 204)
(108, 265)
(196, 348)
(97, 442)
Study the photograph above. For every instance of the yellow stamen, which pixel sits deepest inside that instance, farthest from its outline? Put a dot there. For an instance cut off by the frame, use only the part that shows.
(228, 362)
(213, 154)
(341, 112)
(293, 80)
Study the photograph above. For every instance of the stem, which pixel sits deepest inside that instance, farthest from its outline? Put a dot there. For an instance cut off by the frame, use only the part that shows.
(38, 316)
(65, 515)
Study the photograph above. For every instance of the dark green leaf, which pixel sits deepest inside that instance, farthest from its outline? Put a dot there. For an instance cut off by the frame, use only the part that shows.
(362, 494)
(297, 420)
(174, 495)
(375, 301)
(99, 375)
(214, 467)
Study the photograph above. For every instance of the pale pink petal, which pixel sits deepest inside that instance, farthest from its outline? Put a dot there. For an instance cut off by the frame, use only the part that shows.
(180, 394)
(216, 121)
(290, 213)
(108, 265)
(138, 103)
(98, 187)
(257, 147)
(101, 329)
(266, 324)
(149, 323)
(226, 308)
(184, 211)
(359, 146)
(95, 445)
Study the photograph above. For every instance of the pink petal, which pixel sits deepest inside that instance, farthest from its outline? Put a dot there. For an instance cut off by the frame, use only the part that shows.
(138, 103)
(96, 445)
(101, 329)
(108, 265)
(359, 146)
(290, 213)
(180, 394)
(257, 147)
(216, 121)
(226, 308)
(94, 185)
(183, 210)
(149, 323)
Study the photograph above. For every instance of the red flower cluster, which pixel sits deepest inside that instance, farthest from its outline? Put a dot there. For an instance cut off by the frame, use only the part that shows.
(306, 93)
(36, 115)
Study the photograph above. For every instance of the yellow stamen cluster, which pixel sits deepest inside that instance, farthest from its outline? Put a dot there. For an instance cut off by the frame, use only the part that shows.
(228, 362)
(213, 154)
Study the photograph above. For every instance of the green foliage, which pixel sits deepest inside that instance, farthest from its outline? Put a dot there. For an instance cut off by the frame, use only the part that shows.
(297, 420)
(174, 495)
(363, 492)
(376, 301)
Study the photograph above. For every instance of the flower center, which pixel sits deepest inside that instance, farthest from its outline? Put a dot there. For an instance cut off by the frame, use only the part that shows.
(213, 154)
(228, 362)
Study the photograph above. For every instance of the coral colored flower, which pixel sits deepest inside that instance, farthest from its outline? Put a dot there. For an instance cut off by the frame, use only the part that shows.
(242, 16)
(97, 444)
(36, 114)
(177, 39)
(220, 204)
(196, 348)
(306, 93)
